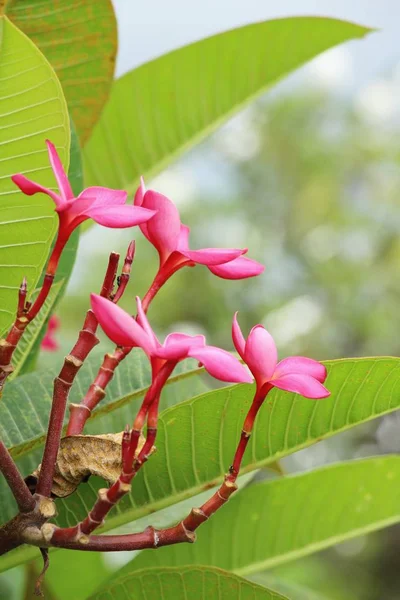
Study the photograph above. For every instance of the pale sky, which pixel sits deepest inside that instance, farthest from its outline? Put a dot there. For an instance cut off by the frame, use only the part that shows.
(151, 28)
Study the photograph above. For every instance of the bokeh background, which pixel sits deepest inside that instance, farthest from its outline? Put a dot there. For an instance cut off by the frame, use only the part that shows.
(308, 179)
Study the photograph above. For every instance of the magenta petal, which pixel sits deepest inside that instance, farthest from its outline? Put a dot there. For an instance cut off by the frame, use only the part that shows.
(140, 192)
(62, 180)
(240, 268)
(177, 345)
(237, 336)
(144, 323)
(301, 366)
(301, 384)
(103, 196)
(183, 241)
(30, 187)
(138, 201)
(260, 353)
(119, 326)
(221, 364)
(164, 228)
(119, 216)
(212, 256)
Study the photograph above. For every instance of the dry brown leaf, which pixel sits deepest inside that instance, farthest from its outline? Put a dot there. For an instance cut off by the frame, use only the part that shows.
(79, 457)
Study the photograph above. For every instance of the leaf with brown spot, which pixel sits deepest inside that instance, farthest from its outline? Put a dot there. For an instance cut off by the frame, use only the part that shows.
(79, 39)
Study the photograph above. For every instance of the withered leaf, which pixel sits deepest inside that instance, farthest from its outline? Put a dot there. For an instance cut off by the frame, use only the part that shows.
(80, 456)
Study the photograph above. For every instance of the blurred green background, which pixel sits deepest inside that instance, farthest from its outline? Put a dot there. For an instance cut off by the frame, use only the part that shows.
(308, 179)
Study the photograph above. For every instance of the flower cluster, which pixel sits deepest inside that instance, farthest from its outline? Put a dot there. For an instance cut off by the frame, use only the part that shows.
(159, 221)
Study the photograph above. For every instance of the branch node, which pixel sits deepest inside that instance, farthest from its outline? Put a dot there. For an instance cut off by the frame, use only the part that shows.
(46, 506)
(73, 360)
(102, 494)
(48, 530)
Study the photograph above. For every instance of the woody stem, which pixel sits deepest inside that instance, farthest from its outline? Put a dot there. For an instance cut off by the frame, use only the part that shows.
(87, 340)
(15, 482)
(107, 498)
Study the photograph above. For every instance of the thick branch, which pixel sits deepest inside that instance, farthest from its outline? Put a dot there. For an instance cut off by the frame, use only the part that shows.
(15, 481)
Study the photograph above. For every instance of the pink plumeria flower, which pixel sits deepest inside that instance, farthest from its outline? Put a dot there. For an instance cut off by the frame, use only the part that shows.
(126, 331)
(105, 206)
(294, 374)
(171, 239)
(49, 342)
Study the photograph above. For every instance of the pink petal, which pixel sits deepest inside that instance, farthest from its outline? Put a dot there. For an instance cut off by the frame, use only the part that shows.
(164, 228)
(212, 256)
(140, 192)
(177, 346)
(103, 196)
(119, 216)
(301, 366)
(29, 188)
(138, 201)
(237, 336)
(62, 180)
(240, 268)
(221, 364)
(119, 326)
(260, 353)
(49, 342)
(183, 241)
(301, 384)
(144, 323)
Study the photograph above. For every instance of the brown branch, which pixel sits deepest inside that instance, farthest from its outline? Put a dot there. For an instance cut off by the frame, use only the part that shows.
(87, 340)
(80, 413)
(15, 481)
(107, 498)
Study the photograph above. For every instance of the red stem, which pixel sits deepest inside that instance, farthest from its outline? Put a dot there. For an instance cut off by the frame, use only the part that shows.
(107, 498)
(248, 425)
(80, 413)
(87, 340)
(173, 263)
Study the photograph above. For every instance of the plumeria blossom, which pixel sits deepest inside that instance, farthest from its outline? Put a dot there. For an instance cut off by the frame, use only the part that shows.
(171, 239)
(294, 374)
(105, 206)
(126, 331)
(49, 342)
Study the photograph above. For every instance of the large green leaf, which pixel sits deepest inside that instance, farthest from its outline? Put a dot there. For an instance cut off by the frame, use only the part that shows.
(80, 41)
(160, 109)
(196, 583)
(197, 438)
(32, 108)
(272, 522)
(26, 402)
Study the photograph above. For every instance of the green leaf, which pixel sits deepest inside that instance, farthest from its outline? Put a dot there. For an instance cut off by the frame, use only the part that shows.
(196, 439)
(184, 465)
(196, 583)
(26, 353)
(275, 521)
(26, 402)
(162, 108)
(80, 41)
(32, 108)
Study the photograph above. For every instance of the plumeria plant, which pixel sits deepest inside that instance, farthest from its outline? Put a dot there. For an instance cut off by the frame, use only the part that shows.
(78, 147)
